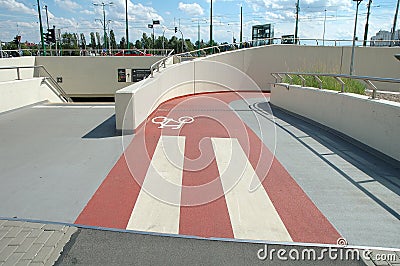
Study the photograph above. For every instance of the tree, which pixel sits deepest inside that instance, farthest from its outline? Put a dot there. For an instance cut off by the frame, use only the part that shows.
(83, 41)
(92, 40)
(146, 41)
(138, 44)
(98, 40)
(122, 43)
(113, 43)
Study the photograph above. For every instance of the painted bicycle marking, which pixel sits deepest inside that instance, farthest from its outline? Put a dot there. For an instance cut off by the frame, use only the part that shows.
(172, 123)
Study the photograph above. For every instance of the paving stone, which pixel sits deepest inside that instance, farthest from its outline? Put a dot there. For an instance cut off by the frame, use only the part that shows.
(35, 233)
(43, 255)
(23, 263)
(4, 231)
(32, 251)
(44, 237)
(56, 253)
(13, 259)
(4, 243)
(13, 224)
(33, 225)
(36, 264)
(54, 239)
(13, 232)
(70, 231)
(6, 253)
(53, 227)
(19, 238)
(24, 247)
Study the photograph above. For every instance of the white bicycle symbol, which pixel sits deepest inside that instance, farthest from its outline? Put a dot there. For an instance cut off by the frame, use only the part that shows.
(172, 123)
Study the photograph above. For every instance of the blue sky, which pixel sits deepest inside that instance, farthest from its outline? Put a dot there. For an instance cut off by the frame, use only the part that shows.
(21, 17)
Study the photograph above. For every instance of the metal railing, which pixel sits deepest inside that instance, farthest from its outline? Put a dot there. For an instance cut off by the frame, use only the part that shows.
(279, 76)
(159, 62)
(47, 77)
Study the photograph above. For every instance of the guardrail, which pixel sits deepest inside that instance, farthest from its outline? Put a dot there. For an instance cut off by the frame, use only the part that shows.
(279, 76)
(158, 63)
(48, 77)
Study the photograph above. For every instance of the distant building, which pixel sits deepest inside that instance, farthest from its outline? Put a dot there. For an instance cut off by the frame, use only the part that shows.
(383, 37)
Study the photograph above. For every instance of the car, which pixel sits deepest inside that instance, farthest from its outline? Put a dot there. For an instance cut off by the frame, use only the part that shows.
(131, 53)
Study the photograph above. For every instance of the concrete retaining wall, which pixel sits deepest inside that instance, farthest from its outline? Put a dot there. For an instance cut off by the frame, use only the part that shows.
(8, 75)
(259, 62)
(375, 123)
(20, 93)
(93, 76)
(136, 102)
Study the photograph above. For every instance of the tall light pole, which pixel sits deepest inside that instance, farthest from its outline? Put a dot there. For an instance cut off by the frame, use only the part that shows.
(354, 38)
(296, 31)
(395, 22)
(367, 23)
(241, 26)
(127, 25)
(211, 24)
(41, 28)
(323, 36)
(102, 4)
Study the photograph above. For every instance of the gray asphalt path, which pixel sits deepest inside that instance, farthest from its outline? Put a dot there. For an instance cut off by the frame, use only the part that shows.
(53, 158)
(96, 247)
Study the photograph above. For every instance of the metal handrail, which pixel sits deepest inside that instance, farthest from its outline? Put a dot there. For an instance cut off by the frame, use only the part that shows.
(338, 77)
(158, 63)
(48, 77)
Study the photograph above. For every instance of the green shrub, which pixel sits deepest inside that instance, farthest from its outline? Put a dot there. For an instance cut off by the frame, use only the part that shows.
(330, 83)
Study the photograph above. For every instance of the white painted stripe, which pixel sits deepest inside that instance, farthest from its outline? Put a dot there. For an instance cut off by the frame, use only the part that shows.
(252, 214)
(157, 208)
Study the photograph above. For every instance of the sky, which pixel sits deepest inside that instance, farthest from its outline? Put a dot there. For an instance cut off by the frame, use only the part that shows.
(20, 17)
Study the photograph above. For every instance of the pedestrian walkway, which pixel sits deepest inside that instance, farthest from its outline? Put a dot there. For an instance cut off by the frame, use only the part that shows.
(26, 243)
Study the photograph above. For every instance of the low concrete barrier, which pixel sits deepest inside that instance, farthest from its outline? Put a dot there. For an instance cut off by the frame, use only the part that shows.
(11, 74)
(375, 123)
(135, 103)
(21, 93)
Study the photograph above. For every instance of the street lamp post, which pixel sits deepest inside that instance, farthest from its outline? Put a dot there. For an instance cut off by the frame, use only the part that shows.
(354, 38)
(102, 4)
(211, 23)
(296, 30)
(127, 25)
(41, 28)
(323, 36)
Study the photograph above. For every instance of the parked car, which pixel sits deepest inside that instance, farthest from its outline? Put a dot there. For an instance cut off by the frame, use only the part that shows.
(131, 53)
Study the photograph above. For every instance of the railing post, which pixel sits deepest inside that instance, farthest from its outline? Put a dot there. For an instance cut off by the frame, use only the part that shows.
(290, 78)
(341, 82)
(319, 81)
(373, 88)
(303, 80)
(18, 74)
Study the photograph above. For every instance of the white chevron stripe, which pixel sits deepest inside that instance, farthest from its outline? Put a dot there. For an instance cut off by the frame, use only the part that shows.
(157, 208)
(252, 214)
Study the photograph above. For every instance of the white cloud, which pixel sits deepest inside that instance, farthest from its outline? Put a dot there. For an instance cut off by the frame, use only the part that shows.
(67, 4)
(15, 6)
(191, 9)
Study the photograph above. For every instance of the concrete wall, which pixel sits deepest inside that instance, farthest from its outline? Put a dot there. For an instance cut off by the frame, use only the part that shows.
(94, 76)
(8, 75)
(134, 103)
(375, 123)
(259, 62)
(247, 69)
(20, 93)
